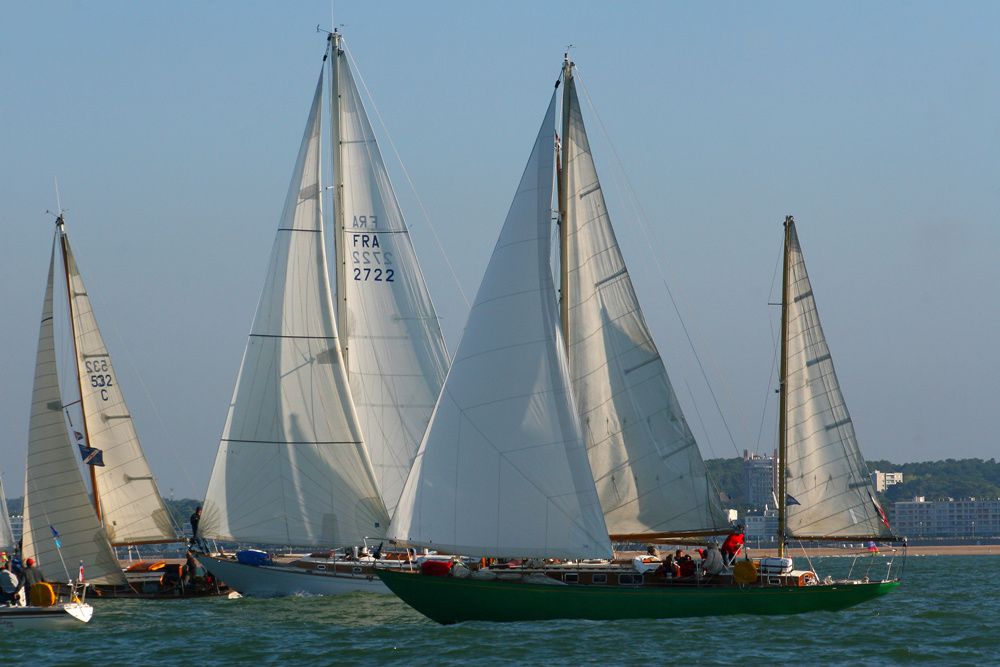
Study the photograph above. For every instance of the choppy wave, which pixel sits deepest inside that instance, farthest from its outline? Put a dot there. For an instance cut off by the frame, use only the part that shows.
(946, 612)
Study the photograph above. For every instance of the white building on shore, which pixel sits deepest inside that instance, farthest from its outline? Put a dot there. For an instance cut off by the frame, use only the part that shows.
(883, 480)
(967, 518)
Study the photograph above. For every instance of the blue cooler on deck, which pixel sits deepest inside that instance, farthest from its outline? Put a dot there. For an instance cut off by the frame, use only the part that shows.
(254, 557)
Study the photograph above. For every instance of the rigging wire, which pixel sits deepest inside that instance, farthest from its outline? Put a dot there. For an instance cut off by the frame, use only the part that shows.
(373, 395)
(641, 217)
(406, 174)
(774, 355)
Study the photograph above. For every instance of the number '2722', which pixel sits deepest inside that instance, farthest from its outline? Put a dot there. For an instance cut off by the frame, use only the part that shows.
(376, 275)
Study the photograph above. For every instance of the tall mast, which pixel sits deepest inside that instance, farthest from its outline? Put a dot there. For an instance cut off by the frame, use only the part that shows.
(782, 399)
(64, 244)
(339, 225)
(563, 186)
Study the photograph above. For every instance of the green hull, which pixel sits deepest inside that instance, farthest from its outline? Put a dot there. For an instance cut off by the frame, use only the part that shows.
(452, 600)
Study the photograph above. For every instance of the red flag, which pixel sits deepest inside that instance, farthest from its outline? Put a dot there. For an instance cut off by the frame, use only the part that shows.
(81, 580)
(881, 512)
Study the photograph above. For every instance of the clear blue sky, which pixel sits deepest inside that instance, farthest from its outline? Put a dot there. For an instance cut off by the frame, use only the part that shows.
(172, 128)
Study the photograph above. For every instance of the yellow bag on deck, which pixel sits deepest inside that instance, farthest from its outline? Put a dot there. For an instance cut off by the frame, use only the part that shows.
(745, 572)
(41, 595)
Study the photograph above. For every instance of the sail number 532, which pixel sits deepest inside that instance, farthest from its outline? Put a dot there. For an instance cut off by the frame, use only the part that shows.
(99, 372)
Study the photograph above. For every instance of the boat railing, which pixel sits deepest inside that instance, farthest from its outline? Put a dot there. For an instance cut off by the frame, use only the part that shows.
(870, 564)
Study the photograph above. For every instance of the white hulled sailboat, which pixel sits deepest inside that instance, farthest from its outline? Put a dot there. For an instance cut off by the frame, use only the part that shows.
(551, 438)
(331, 401)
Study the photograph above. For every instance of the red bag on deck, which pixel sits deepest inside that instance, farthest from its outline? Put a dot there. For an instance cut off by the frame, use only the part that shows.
(436, 568)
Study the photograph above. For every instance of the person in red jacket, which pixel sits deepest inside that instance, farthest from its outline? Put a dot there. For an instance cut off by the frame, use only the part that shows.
(733, 545)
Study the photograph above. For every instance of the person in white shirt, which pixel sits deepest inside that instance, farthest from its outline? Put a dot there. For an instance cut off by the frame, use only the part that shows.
(8, 585)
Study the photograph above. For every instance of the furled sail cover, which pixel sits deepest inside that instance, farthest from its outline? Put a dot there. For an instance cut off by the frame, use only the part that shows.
(131, 507)
(291, 467)
(825, 472)
(649, 473)
(55, 496)
(6, 532)
(502, 470)
(396, 356)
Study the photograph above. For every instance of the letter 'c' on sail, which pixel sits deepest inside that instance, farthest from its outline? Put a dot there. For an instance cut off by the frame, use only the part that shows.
(131, 507)
(825, 471)
(291, 467)
(502, 470)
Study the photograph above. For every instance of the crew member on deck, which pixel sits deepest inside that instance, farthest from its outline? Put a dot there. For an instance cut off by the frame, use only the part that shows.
(733, 545)
(9, 585)
(712, 562)
(196, 541)
(683, 564)
(32, 574)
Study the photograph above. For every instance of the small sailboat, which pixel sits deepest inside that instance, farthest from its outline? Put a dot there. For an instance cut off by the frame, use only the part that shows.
(44, 609)
(557, 432)
(331, 401)
(40, 613)
(123, 506)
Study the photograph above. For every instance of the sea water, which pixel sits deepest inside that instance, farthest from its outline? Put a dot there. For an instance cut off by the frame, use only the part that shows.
(947, 612)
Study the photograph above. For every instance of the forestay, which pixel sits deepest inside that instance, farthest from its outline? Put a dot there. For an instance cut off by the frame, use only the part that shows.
(55, 495)
(502, 470)
(131, 507)
(291, 467)
(649, 473)
(825, 472)
(396, 356)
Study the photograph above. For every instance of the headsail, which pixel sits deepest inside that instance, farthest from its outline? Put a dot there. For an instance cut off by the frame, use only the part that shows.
(396, 357)
(6, 532)
(824, 471)
(55, 496)
(502, 469)
(649, 473)
(291, 467)
(131, 507)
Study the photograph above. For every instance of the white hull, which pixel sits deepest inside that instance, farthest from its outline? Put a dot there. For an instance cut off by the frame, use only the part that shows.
(61, 615)
(280, 580)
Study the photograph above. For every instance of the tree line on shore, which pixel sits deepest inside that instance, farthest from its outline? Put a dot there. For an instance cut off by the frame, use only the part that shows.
(934, 480)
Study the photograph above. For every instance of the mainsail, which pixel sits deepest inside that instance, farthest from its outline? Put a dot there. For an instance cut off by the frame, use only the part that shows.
(6, 532)
(824, 471)
(55, 498)
(649, 473)
(502, 470)
(394, 350)
(131, 507)
(291, 467)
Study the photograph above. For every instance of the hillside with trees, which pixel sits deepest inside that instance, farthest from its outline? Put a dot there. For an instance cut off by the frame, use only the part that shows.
(935, 480)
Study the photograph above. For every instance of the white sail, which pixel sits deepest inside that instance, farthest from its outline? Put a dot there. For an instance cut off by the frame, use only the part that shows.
(830, 491)
(502, 470)
(649, 473)
(131, 507)
(291, 467)
(396, 356)
(55, 496)
(6, 532)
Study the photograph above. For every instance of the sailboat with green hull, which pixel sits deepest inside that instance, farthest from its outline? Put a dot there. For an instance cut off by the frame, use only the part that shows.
(452, 600)
(557, 432)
